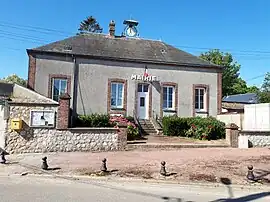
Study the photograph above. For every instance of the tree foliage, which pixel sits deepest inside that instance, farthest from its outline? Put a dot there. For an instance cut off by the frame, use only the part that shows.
(14, 79)
(90, 24)
(264, 95)
(231, 82)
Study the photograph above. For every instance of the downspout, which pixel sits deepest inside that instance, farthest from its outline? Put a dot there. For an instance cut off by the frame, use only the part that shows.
(74, 96)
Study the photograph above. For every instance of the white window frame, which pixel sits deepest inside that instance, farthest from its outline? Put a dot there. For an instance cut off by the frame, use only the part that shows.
(204, 109)
(61, 79)
(173, 97)
(122, 104)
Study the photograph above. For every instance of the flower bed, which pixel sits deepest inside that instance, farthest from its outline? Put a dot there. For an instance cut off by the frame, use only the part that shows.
(132, 130)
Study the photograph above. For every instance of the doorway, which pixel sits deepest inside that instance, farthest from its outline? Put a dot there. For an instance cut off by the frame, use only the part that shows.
(143, 101)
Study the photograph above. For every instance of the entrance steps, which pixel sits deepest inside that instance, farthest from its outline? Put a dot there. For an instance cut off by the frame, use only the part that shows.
(147, 127)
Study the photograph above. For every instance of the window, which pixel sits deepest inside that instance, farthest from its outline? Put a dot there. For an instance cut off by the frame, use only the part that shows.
(117, 94)
(59, 87)
(200, 103)
(168, 97)
(143, 88)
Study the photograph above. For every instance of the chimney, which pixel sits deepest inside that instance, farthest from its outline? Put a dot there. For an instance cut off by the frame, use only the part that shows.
(112, 28)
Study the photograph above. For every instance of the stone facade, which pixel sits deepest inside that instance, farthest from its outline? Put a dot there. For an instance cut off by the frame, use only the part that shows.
(257, 138)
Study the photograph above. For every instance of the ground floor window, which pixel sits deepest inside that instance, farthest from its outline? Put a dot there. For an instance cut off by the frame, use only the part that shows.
(200, 99)
(168, 97)
(59, 87)
(117, 95)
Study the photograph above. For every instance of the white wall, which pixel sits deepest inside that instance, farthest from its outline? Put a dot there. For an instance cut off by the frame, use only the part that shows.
(232, 118)
(2, 127)
(257, 117)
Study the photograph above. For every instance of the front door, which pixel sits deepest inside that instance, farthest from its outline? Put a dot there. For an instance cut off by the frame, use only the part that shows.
(143, 101)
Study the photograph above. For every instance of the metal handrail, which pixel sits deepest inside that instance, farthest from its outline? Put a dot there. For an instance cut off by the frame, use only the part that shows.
(157, 119)
(137, 122)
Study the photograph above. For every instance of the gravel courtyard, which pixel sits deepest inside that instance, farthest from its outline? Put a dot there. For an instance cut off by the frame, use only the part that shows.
(204, 165)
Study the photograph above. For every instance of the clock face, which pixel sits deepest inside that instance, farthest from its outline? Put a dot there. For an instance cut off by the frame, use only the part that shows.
(131, 31)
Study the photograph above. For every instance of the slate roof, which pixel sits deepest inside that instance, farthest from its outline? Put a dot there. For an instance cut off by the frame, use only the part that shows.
(248, 98)
(103, 46)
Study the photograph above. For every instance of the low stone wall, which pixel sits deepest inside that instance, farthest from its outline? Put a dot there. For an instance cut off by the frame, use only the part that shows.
(77, 139)
(58, 138)
(257, 138)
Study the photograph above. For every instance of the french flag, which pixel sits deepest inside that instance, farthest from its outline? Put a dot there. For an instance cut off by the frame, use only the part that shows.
(146, 74)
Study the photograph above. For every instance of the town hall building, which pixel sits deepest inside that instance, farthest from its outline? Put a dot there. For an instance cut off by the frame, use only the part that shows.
(128, 75)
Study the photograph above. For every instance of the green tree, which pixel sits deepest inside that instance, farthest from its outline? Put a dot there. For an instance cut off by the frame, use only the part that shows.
(14, 79)
(253, 89)
(90, 24)
(264, 95)
(231, 82)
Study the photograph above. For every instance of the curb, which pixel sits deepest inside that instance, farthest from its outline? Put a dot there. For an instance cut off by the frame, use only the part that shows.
(150, 181)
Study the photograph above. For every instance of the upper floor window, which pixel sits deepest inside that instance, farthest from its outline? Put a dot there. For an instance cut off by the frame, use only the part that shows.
(168, 97)
(200, 99)
(59, 87)
(117, 95)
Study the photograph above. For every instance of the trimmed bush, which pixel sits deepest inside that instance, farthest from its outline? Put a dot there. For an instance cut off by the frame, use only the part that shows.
(93, 120)
(194, 127)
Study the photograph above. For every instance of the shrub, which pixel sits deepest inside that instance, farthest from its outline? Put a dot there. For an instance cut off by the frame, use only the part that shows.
(102, 120)
(93, 120)
(195, 127)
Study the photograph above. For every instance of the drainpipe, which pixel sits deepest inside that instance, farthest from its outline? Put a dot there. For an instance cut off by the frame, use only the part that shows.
(75, 84)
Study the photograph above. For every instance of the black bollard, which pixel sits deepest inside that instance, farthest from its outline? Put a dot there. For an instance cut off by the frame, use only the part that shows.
(44, 163)
(163, 169)
(3, 158)
(103, 167)
(250, 175)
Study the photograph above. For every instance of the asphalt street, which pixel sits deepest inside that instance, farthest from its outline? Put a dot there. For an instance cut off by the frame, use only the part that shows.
(36, 189)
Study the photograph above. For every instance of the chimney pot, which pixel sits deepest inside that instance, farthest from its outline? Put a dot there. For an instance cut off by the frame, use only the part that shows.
(112, 28)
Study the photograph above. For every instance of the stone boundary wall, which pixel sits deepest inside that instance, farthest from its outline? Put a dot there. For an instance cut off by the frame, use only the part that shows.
(51, 140)
(257, 138)
(60, 138)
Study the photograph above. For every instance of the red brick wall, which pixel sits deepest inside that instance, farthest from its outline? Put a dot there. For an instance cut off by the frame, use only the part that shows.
(31, 72)
(63, 112)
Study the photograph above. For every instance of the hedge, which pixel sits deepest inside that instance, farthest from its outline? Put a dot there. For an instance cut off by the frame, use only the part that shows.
(194, 127)
(104, 120)
(93, 120)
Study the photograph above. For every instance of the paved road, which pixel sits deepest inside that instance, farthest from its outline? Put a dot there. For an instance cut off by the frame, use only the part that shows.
(26, 188)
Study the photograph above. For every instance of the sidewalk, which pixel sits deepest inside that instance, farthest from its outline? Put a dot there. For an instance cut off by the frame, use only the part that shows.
(191, 165)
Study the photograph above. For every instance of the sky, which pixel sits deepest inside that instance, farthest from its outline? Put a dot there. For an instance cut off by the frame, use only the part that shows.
(241, 28)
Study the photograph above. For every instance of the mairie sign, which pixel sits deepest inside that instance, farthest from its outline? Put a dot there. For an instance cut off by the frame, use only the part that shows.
(144, 77)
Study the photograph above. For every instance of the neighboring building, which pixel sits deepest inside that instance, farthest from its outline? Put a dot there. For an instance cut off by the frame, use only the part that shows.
(5, 90)
(236, 103)
(122, 75)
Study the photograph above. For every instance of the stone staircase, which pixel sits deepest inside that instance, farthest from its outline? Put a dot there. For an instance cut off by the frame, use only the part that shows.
(147, 127)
